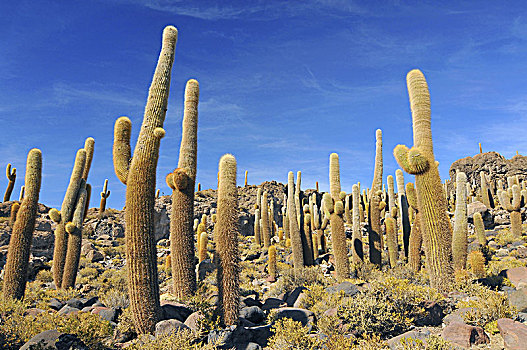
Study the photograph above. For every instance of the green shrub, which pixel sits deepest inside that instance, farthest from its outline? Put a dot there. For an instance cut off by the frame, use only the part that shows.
(289, 334)
(290, 279)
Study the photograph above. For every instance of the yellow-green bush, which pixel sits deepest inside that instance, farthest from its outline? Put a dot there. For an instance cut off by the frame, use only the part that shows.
(388, 308)
(289, 334)
(18, 328)
(488, 306)
(290, 279)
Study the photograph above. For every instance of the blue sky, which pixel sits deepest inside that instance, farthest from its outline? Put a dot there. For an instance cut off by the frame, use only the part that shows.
(283, 84)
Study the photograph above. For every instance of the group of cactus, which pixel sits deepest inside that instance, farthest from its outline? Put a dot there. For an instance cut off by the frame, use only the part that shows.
(68, 231)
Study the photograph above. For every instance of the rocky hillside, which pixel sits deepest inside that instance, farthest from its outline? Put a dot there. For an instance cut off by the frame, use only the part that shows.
(492, 163)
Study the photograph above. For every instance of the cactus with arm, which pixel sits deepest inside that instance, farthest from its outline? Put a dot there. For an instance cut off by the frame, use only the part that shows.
(139, 174)
(420, 161)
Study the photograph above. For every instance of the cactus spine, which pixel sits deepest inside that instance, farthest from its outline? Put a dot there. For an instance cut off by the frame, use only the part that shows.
(294, 230)
(139, 174)
(66, 213)
(183, 181)
(227, 230)
(104, 195)
(420, 161)
(338, 235)
(357, 250)
(74, 230)
(11, 177)
(15, 271)
(459, 238)
(511, 201)
(374, 208)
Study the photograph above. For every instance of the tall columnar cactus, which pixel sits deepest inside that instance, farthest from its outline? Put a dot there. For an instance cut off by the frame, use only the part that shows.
(271, 264)
(11, 177)
(257, 227)
(416, 238)
(227, 230)
(391, 193)
(294, 229)
(375, 208)
(307, 240)
(403, 210)
(265, 230)
(139, 174)
(420, 161)
(245, 182)
(511, 201)
(459, 238)
(357, 250)
(104, 195)
(183, 181)
(74, 230)
(391, 240)
(484, 190)
(347, 210)
(298, 203)
(480, 229)
(258, 198)
(15, 271)
(338, 234)
(66, 215)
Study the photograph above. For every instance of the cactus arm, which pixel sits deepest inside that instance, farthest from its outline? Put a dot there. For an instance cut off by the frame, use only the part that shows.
(122, 154)
(89, 147)
(411, 160)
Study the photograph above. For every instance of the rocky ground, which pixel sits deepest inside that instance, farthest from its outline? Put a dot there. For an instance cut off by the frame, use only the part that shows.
(392, 308)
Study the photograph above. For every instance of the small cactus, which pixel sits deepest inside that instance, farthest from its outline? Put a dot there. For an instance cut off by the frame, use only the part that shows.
(14, 210)
(15, 270)
(391, 240)
(104, 195)
(511, 201)
(480, 229)
(226, 231)
(257, 240)
(22, 191)
(245, 181)
(203, 242)
(11, 177)
(484, 190)
(476, 261)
